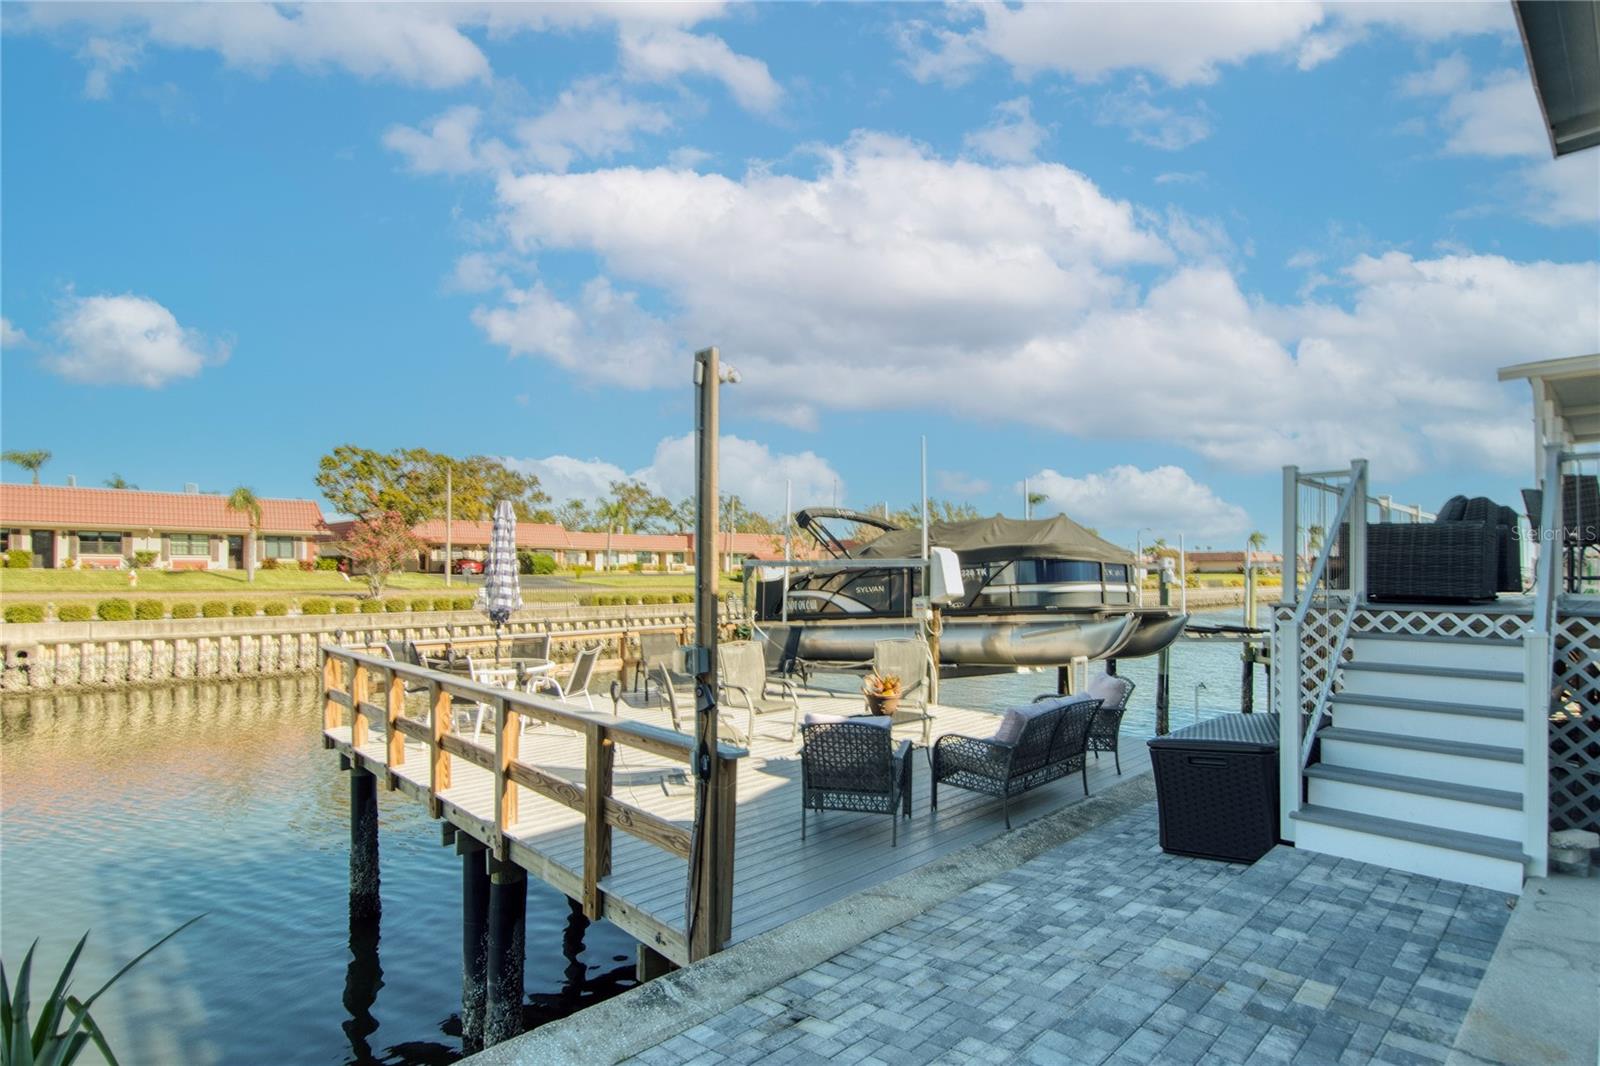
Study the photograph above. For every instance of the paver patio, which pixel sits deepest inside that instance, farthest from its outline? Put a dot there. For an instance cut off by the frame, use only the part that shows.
(1108, 950)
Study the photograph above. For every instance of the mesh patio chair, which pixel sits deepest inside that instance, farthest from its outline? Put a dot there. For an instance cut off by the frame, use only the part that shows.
(910, 661)
(680, 706)
(745, 685)
(535, 647)
(1113, 691)
(849, 764)
(577, 681)
(405, 651)
(1580, 522)
(655, 650)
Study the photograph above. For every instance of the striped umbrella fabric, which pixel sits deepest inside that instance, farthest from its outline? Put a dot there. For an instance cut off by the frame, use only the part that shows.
(501, 594)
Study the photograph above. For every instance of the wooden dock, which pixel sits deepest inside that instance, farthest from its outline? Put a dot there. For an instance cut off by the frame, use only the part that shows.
(529, 798)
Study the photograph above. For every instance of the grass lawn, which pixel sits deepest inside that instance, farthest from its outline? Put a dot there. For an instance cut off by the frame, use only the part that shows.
(18, 583)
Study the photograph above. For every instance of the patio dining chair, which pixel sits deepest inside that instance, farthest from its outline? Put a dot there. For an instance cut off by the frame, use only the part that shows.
(745, 685)
(656, 650)
(680, 706)
(577, 681)
(405, 651)
(908, 659)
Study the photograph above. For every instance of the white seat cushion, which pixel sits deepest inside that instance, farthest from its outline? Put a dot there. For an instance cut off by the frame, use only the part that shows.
(814, 718)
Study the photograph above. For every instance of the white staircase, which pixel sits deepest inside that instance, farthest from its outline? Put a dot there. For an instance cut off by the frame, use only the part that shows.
(1421, 769)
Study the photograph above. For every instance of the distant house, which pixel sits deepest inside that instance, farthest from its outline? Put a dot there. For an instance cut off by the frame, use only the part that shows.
(1233, 562)
(104, 528)
(669, 552)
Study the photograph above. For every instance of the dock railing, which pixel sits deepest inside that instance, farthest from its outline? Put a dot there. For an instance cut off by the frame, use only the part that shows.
(350, 699)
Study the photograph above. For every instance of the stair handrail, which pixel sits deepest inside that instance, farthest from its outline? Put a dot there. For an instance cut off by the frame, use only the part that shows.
(1356, 486)
(1320, 708)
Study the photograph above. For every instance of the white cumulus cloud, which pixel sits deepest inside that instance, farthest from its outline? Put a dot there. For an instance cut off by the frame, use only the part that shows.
(1125, 498)
(128, 340)
(666, 53)
(1013, 136)
(746, 468)
(11, 336)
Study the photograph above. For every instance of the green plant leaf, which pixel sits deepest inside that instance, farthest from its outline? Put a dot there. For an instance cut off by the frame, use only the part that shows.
(138, 958)
(51, 1015)
(19, 1046)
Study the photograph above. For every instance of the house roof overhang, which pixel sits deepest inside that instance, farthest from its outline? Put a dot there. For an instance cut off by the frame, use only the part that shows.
(1562, 41)
(1566, 398)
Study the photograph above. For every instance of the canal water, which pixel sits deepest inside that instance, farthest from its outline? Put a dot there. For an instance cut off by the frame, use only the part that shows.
(127, 813)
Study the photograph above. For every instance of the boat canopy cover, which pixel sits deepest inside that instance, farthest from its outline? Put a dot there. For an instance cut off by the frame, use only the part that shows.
(986, 540)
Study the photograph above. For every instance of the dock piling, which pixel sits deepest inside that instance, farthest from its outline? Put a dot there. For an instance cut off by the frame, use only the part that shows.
(365, 901)
(474, 940)
(508, 910)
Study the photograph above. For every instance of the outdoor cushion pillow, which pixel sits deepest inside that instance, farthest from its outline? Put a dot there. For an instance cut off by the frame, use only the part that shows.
(1017, 719)
(1112, 691)
(814, 718)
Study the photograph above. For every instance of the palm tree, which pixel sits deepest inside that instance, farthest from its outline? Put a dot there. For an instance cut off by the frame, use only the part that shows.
(244, 501)
(1253, 543)
(30, 461)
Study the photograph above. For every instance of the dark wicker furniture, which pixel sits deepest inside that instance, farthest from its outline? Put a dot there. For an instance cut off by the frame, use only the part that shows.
(1508, 532)
(850, 765)
(1217, 787)
(1034, 745)
(1113, 691)
(1437, 561)
(1580, 522)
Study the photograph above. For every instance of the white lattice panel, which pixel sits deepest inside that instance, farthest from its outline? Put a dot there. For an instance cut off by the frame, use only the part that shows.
(1575, 725)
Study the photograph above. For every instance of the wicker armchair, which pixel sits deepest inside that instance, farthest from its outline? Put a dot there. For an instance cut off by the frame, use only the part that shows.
(1034, 745)
(849, 764)
(1113, 691)
(1437, 561)
(1508, 534)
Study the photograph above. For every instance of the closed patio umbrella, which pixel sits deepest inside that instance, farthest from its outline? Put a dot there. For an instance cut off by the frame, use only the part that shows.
(501, 594)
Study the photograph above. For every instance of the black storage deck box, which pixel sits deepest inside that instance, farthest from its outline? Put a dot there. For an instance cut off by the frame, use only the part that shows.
(1217, 787)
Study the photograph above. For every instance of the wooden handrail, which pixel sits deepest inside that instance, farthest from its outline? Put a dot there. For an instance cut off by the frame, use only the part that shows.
(347, 681)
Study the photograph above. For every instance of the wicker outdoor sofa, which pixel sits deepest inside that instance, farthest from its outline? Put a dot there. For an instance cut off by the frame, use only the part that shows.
(1035, 744)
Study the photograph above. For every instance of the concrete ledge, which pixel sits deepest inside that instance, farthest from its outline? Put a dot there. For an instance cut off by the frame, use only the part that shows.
(654, 1012)
(1539, 1001)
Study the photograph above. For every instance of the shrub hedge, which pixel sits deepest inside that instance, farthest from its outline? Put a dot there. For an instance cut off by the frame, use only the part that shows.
(275, 608)
(316, 605)
(19, 559)
(185, 610)
(114, 611)
(371, 606)
(24, 612)
(149, 610)
(344, 606)
(213, 609)
(73, 612)
(463, 603)
(327, 564)
(396, 605)
(421, 604)
(242, 609)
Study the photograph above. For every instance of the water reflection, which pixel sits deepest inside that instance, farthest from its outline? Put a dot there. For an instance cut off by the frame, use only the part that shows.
(126, 812)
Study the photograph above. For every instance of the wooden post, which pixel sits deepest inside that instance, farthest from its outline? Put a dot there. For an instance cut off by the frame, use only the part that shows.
(439, 759)
(474, 940)
(596, 833)
(358, 696)
(506, 741)
(332, 679)
(364, 897)
(651, 964)
(1164, 671)
(1064, 680)
(1247, 678)
(394, 748)
(727, 800)
(508, 911)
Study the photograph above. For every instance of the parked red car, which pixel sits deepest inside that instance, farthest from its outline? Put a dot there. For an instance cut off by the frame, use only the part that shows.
(468, 566)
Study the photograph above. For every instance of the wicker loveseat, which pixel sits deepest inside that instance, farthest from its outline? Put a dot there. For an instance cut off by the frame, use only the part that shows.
(1034, 745)
(1468, 554)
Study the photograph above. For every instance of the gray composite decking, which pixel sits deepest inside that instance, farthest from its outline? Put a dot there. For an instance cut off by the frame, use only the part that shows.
(777, 876)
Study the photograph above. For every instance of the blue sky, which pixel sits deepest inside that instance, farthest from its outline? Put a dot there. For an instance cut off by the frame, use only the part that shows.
(1141, 255)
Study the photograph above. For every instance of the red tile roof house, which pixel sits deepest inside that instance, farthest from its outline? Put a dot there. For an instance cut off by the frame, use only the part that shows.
(1233, 562)
(103, 528)
(603, 551)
